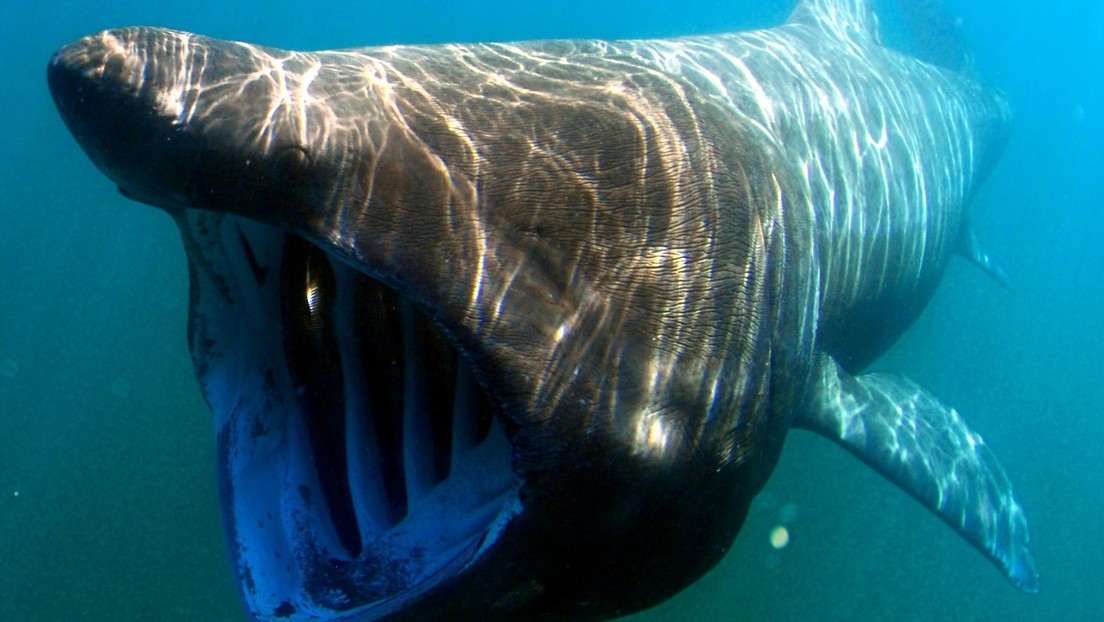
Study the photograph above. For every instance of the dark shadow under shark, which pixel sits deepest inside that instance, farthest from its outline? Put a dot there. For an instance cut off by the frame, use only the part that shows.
(518, 331)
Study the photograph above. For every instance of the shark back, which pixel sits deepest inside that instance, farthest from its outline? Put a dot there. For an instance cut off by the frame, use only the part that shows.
(890, 150)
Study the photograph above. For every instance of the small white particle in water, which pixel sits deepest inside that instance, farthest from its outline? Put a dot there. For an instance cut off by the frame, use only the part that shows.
(779, 537)
(15, 493)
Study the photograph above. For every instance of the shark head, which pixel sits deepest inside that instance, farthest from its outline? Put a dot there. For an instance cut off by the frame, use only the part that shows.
(462, 366)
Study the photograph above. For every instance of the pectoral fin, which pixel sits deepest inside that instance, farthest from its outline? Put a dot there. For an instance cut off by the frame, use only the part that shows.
(970, 248)
(924, 447)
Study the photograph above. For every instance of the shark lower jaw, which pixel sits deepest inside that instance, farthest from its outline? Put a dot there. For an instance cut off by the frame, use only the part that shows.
(361, 464)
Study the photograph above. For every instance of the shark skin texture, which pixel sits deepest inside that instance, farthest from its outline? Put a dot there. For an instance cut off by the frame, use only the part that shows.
(517, 331)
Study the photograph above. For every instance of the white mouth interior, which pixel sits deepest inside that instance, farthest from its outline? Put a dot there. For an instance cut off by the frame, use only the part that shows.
(361, 462)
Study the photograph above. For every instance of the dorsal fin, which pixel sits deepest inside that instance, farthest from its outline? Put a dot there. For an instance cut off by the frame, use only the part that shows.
(850, 19)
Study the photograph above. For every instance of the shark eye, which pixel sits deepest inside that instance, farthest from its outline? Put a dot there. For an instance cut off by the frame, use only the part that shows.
(291, 164)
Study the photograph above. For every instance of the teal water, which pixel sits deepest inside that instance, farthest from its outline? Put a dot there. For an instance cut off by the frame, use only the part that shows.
(108, 507)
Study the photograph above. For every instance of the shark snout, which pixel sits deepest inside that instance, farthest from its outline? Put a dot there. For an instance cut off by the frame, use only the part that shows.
(109, 59)
(87, 103)
(98, 81)
(96, 84)
(119, 92)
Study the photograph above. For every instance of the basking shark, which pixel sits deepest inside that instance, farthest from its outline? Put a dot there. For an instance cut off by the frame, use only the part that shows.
(517, 331)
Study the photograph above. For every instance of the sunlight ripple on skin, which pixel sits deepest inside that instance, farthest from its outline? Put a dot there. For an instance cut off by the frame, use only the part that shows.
(648, 259)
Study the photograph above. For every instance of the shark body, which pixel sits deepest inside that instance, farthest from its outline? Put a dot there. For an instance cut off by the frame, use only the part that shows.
(517, 331)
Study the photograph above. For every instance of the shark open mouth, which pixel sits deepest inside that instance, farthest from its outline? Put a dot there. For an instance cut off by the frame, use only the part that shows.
(361, 462)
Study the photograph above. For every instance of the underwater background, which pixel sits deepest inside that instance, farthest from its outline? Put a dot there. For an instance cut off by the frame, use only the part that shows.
(108, 501)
